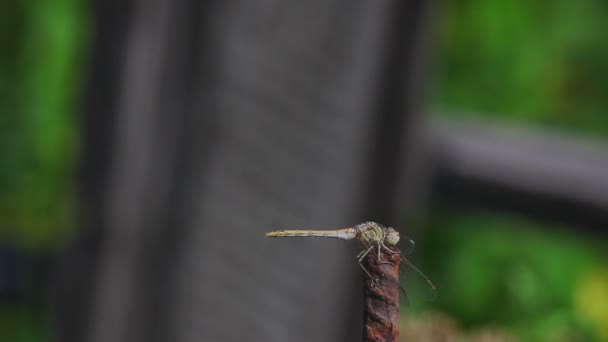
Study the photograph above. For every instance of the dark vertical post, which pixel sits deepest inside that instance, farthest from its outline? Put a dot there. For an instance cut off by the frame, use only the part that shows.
(381, 297)
(208, 122)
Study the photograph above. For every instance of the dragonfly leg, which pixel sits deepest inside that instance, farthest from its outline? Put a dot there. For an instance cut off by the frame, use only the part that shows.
(360, 258)
(383, 246)
(380, 246)
(374, 279)
(390, 251)
(362, 254)
(379, 256)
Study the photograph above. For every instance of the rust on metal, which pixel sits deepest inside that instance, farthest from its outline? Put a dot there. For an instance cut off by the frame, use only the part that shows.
(381, 297)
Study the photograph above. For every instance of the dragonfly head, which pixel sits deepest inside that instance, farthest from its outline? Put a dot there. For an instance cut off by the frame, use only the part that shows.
(392, 236)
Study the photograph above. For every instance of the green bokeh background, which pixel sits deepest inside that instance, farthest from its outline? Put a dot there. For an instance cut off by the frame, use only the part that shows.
(540, 282)
(42, 46)
(41, 55)
(542, 65)
(539, 64)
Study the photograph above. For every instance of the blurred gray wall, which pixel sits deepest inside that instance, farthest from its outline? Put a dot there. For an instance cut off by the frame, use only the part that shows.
(210, 123)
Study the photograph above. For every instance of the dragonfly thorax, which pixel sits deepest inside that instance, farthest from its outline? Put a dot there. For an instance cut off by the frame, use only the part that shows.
(377, 233)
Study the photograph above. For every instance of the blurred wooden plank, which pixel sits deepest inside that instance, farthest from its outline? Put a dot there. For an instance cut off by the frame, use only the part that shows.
(551, 175)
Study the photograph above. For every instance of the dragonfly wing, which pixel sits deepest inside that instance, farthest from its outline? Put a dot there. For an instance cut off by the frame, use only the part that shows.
(429, 284)
(405, 296)
(407, 245)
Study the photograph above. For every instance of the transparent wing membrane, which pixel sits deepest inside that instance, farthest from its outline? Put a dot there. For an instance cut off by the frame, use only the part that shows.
(407, 246)
(432, 290)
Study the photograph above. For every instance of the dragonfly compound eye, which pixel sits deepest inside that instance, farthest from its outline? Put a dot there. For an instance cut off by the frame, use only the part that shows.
(392, 237)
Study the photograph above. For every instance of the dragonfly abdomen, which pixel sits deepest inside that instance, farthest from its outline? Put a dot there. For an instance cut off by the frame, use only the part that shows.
(344, 234)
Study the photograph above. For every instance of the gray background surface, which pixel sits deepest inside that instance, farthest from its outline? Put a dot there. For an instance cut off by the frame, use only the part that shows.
(210, 123)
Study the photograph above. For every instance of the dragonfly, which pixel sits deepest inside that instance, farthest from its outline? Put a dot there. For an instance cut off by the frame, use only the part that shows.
(375, 238)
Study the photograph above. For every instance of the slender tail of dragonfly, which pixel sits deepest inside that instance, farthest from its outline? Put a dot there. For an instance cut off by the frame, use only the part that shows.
(344, 234)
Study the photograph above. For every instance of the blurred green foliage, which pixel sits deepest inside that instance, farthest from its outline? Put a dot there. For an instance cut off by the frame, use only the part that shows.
(541, 64)
(536, 62)
(496, 269)
(41, 52)
(41, 55)
(23, 323)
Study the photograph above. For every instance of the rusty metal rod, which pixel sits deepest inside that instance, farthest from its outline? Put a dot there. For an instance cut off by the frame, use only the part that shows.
(381, 297)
